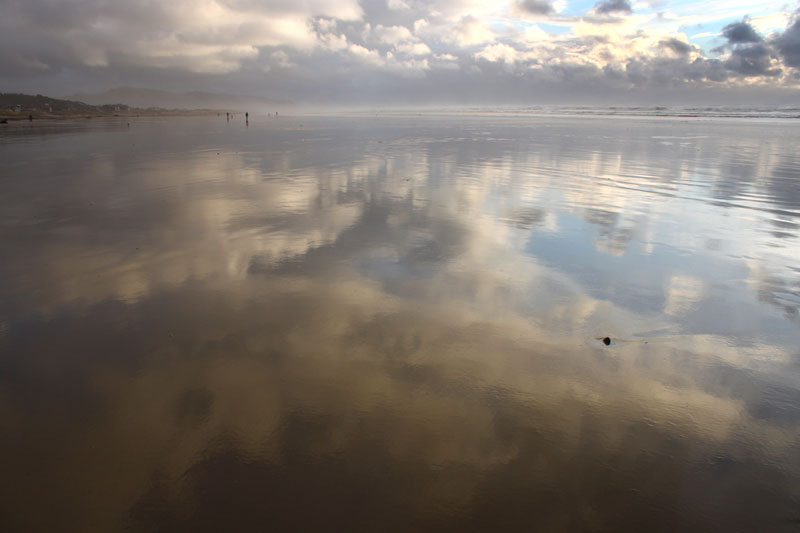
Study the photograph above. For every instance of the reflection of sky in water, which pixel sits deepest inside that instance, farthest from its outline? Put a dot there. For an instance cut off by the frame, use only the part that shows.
(206, 325)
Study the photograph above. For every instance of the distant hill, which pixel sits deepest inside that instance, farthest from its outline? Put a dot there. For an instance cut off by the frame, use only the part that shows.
(144, 98)
(29, 102)
(17, 106)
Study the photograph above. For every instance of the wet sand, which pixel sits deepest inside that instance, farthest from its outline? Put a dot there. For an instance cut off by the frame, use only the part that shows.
(397, 323)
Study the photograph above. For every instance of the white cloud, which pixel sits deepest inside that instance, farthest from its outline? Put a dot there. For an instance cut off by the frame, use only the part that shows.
(414, 49)
(498, 52)
(534, 33)
(366, 55)
(705, 34)
(470, 31)
(406, 67)
(393, 34)
(766, 24)
(333, 42)
(397, 4)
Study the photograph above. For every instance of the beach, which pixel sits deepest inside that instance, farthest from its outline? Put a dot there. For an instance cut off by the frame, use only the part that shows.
(398, 322)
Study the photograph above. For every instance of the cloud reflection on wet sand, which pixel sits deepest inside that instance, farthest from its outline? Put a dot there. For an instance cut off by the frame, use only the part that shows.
(394, 336)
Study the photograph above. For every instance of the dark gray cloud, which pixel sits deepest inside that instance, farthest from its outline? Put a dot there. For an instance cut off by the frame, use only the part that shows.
(788, 44)
(670, 73)
(741, 32)
(607, 7)
(754, 60)
(707, 69)
(537, 7)
(677, 46)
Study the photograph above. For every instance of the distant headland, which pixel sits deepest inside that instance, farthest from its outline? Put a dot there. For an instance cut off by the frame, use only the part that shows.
(17, 106)
(128, 102)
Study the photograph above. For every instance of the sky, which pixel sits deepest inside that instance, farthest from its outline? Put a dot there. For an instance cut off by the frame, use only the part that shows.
(411, 52)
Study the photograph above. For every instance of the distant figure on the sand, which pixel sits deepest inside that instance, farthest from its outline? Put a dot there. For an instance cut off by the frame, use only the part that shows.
(246, 116)
(30, 118)
(276, 114)
(227, 116)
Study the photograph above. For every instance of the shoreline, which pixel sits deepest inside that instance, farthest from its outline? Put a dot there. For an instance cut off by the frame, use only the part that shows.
(23, 116)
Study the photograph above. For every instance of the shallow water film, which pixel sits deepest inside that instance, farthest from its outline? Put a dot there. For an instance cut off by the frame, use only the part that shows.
(400, 323)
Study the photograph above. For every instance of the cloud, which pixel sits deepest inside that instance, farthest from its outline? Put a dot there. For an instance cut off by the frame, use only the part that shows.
(607, 7)
(498, 52)
(393, 34)
(471, 31)
(414, 49)
(397, 4)
(203, 36)
(788, 44)
(363, 48)
(681, 48)
(707, 69)
(741, 32)
(755, 60)
(365, 54)
(536, 7)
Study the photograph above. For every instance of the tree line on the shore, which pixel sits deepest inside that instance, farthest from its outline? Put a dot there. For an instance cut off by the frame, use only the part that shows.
(26, 103)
